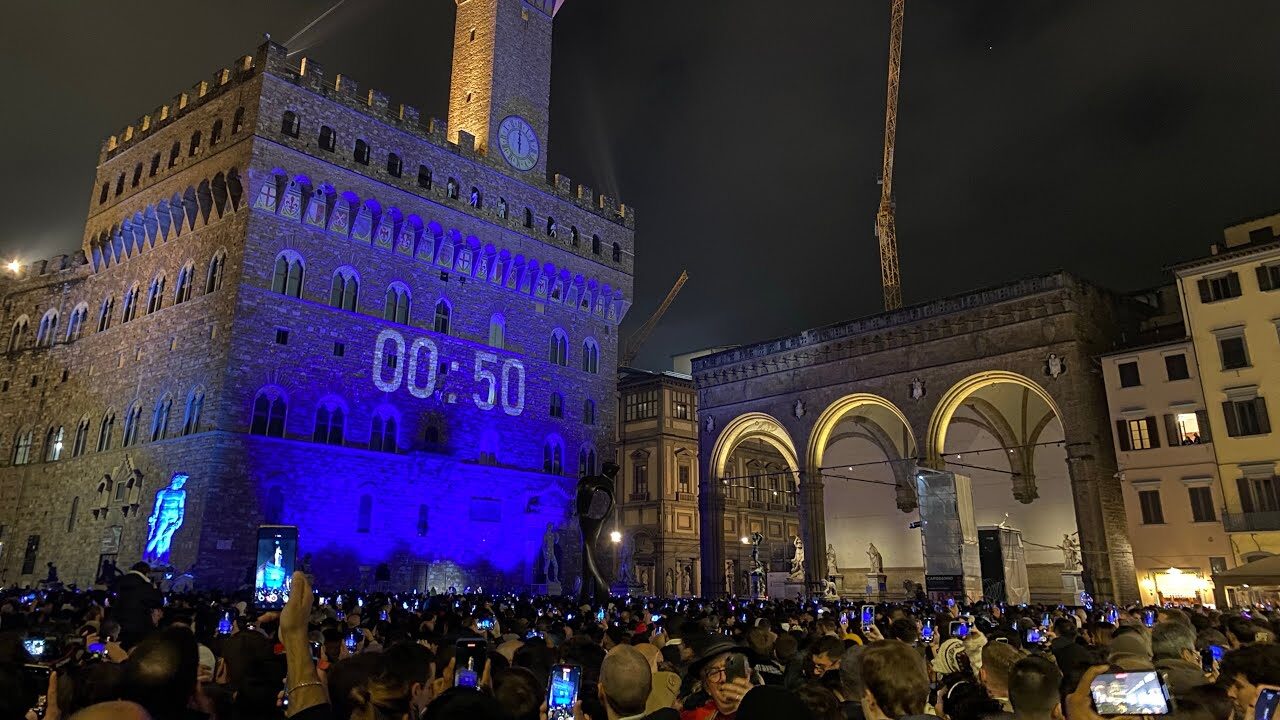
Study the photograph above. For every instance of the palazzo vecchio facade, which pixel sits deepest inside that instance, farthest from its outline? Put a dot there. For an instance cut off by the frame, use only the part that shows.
(329, 312)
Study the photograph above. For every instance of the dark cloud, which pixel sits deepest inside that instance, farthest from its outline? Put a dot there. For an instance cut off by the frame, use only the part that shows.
(1105, 138)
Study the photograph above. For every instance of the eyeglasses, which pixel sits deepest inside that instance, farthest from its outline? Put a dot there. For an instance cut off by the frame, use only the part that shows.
(714, 675)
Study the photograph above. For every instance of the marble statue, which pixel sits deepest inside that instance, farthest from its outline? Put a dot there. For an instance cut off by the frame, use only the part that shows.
(832, 567)
(729, 576)
(474, 200)
(829, 590)
(874, 561)
(502, 208)
(166, 517)
(1054, 365)
(271, 575)
(1070, 554)
(553, 230)
(686, 580)
(643, 574)
(797, 560)
(550, 566)
(671, 582)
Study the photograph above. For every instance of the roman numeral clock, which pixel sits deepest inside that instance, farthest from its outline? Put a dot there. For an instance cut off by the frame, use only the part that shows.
(518, 142)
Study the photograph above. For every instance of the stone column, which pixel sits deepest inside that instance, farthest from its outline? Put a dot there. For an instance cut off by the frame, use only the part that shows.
(1105, 549)
(711, 534)
(813, 530)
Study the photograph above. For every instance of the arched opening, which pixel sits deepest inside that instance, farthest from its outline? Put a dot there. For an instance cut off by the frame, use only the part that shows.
(1005, 432)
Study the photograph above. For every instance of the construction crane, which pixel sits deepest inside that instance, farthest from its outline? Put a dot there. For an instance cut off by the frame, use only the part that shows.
(885, 227)
(632, 346)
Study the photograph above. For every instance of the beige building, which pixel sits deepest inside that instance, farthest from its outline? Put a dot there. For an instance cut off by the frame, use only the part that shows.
(658, 490)
(1231, 305)
(1164, 454)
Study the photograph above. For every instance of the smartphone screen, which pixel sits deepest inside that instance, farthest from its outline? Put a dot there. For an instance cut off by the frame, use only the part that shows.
(868, 614)
(1149, 618)
(277, 554)
(926, 632)
(352, 640)
(225, 622)
(1044, 620)
(469, 656)
(562, 692)
(1113, 615)
(1132, 693)
(1265, 707)
(1034, 637)
(959, 629)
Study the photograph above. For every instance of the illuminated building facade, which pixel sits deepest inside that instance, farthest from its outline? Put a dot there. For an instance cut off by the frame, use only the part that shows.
(328, 312)
(1231, 301)
(1164, 448)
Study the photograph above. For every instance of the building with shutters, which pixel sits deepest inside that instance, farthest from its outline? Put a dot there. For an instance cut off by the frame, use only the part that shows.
(1231, 302)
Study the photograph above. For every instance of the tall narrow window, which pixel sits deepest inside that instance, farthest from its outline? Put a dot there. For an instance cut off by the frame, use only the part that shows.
(557, 405)
(586, 462)
(182, 292)
(104, 313)
(287, 279)
(237, 122)
(443, 316)
(137, 175)
(1201, 504)
(330, 424)
(617, 253)
(574, 239)
(17, 333)
(106, 190)
(640, 477)
(53, 444)
(71, 516)
(362, 151)
(80, 444)
(213, 279)
(528, 217)
(1152, 512)
(328, 139)
(344, 290)
(215, 134)
(289, 124)
(559, 354)
(194, 148)
(382, 433)
(155, 294)
(75, 328)
(424, 177)
(119, 184)
(160, 420)
(595, 244)
(105, 432)
(364, 516)
(553, 457)
(45, 331)
(174, 152)
(268, 414)
(498, 331)
(22, 447)
(131, 419)
(590, 356)
(395, 307)
(588, 412)
(155, 165)
(191, 418)
(395, 166)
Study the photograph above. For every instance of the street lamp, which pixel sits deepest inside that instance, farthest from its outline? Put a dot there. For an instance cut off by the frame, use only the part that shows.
(14, 267)
(615, 536)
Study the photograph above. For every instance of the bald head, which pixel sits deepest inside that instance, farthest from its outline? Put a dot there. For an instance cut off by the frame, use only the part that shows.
(625, 680)
(114, 710)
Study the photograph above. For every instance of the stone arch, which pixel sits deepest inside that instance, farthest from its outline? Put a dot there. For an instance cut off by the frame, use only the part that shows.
(752, 426)
(960, 392)
(901, 451)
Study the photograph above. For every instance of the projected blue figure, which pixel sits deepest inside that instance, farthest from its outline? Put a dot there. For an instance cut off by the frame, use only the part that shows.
(166, 517)
(271, 574)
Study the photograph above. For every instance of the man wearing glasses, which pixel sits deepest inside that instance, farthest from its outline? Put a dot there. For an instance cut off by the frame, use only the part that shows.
(726, 676)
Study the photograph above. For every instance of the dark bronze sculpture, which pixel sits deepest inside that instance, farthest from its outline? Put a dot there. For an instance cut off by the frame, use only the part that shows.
(594, 502)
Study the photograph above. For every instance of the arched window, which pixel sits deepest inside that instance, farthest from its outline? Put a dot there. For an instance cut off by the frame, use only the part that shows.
(105, 312)
(48, 325)
(559, 348)
(443, 315)
(119, 184)
(80, 444)
(331, 423)
(498, 331)
(22, 442)
(130, 304)
(20, 328)
(75, 327)
(53, 444)
(106, 190)
(553, 230)
(557, 405)
(288, 275)
(155, 165)
(382, 433)
(528, 217)
(182, 292)
(362, 151)
(191, 418)
(476, 198)
(590, 356)
(617, 253)
(71, 516)
(396, 305)
(364, 516)
(174, 152)
(160, 419)
(237, 122)
(328, 138)
(273, 512)
(131, 419)
(588, 412)
(215, 134)
(213, 279)
(155, 294)
(423, 521)
(290, 124)
(424, 177)
(105, 432)
(395, 166)
(553, 457)
(574, 239)
(194, 148)
(595, 244)
(451, 189)
(586, 461)
(137, 175)
(344, 291)
(269, 408)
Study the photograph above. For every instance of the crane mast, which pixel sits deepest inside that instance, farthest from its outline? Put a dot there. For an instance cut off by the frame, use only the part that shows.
(631, 347)
(886, 231)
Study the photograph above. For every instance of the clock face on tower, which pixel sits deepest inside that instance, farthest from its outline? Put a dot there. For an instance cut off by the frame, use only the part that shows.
(518, 142)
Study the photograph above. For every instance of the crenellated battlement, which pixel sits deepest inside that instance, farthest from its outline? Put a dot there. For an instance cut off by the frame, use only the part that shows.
(273, 58)
(46, 267)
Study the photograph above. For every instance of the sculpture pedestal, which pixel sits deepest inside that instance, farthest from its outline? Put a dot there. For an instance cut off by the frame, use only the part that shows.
(775, 584)
(876, 586)
(551, 589)
(838, 579)
(1072, 586)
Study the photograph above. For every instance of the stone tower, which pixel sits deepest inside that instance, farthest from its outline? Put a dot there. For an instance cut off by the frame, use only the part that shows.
(502, 70)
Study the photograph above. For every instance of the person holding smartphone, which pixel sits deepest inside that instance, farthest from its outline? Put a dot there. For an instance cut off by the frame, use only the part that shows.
(725, 675)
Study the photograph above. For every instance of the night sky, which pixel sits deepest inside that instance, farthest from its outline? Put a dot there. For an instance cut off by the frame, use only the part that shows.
(1101, 137)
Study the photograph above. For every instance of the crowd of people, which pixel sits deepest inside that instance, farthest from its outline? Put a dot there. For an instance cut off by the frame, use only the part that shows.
(136, 652)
